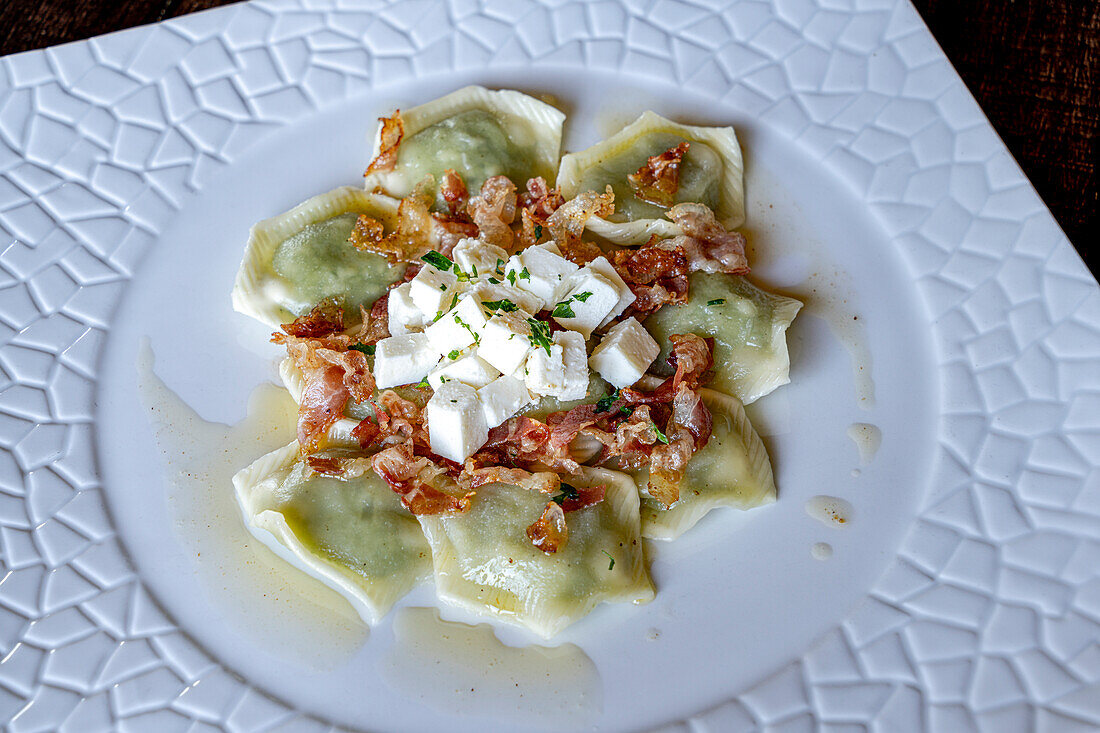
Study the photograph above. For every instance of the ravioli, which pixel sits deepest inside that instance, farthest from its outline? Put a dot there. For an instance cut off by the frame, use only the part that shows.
(477, 132)
(711, 173)
(749, 326)
(352, 534)
(299, 258)
(484, 561)
(731, 470)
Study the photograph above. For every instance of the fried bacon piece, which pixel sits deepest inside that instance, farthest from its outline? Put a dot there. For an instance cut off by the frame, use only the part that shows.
(376, 321)
(707, 244)
(548, 532)
(453, 190)
(322, 400)
(389, 137)
(656, 274)
(546, 482)
(367, 234)
(494, 210)
(326, 466)
(326, 318)
(539, 200)
(450, 229)
(410, 477)
(524, 440)
(568, 220)
(688, 429)
(412, 236)
(659, 179)
(582, 497)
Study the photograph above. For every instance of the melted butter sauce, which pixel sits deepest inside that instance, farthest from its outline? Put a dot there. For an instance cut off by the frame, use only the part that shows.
(248, 585)
(830, 510)
(867, 438)
(432, 660)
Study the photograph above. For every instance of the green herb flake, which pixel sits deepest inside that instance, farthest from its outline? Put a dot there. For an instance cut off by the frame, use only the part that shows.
(538, 231)
(459, 321)
(583, 296)
(540, 334)
(512, 277)
(524, 274)
(610, 565)
(563, 310)
(367, 349)
(438, 260)
(500, 267)
(423, 384)
(455, 353)
(660, 436)
(567, 492)
(716, 301)
(494, 281)
(501, 305)
(604, 403)
(628, 411)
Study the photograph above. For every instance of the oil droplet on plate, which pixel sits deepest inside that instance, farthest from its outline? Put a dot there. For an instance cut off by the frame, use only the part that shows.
(830, 510)
(247, 584)
(432, 659)
(821, 550)
(867, 438)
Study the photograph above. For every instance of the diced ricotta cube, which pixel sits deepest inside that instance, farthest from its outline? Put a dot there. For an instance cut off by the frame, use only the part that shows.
(505, 340)
(456, 423)
(403, 359)
(403, 313)
(477, 258)
(502, 398)
(432, 289)
(459, 327)
(491, 292)
(545, 370)
(601, 266)
(575, 360)
(625, 353)
(468, 368)
(591, 298)
(541, 272)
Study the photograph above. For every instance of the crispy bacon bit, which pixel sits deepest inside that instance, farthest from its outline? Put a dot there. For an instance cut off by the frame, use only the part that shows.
(326, 466)
(450, 230)
(707, 244)
(568, 221)
(322, 400)
(412, 236)
(408, 476)
(579, 252)
(546, 482)
(549, 532)
(453, 190)
(376, 321)
(524, 440)
(389, 137)
(326, 318)
(656, 274)
(367, 234)
(659, 179)
(494, 210)
(688, 430)
(539, 200)
(586, 496)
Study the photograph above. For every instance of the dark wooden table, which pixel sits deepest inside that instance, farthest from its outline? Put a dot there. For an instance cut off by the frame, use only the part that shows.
(1034, 66)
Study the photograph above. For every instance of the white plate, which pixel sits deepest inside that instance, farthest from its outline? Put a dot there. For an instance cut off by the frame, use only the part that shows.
(965, 592)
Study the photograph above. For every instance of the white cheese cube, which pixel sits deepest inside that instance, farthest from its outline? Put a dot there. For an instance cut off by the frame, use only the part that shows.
(403, 359)
(545, 373)
(468, 368)
(625, 353)
(601, 266)
(459, 327)
(591, 298)
(541, 272)
(403, 313)
(505, 340)
(432, 289)
(502, 398)
(575, 360)
(477, 258)
(456, 423)
(490, 292)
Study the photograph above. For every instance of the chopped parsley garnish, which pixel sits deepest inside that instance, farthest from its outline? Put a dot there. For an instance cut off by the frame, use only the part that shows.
(610, 565)
(438, 260)
(454, 302)
(628, 411)
(524, 274)
(538, 231)
(564, 310)
(511, 277)
(660, 436)
(604, 403)
(423, 384)
(463, 277)
(500, 266)
(567, 492)
(459, 321)
(501, 305)
(540, 334)
(716, 301)
(454, 354)
(367, 349)
(494, 281)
